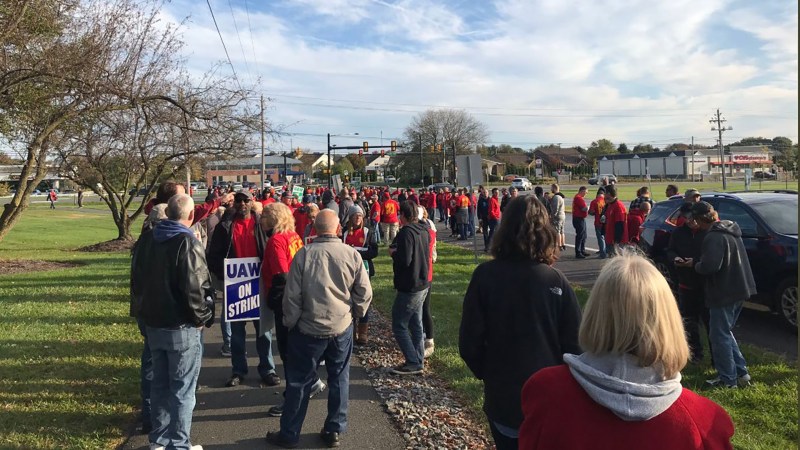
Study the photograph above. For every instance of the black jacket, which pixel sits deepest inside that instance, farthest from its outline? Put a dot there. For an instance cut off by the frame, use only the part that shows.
(483, 208)
(170, 283)
(410, 261)
(686, 243)
(724, 262)
(221, 246)
(518, 317)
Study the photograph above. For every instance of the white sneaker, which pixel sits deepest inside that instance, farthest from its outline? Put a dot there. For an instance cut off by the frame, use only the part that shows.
(318, 387)
(197, 447)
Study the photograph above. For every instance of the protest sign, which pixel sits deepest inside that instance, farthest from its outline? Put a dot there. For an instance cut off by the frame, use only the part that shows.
(242, 300)
(297, 191)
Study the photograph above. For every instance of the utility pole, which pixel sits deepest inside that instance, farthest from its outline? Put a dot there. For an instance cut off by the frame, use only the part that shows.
(263, 166)
(719, 120)
(692, 159)
(330, 180)
(421, 163)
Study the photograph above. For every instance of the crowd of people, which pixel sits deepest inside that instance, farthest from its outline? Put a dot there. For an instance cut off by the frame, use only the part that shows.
(522, 331)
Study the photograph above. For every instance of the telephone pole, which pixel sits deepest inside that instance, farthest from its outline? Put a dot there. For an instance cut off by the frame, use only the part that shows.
(719, 120)
(263, 166)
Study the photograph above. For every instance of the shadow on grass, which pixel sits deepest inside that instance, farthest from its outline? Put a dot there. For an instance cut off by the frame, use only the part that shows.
(34, 352)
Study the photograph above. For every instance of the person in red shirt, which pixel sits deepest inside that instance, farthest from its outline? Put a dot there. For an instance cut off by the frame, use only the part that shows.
(269, 196)
(625, 391)
(580, 211)
(430, 205)
(301, 219)
(277, 222)
(493, 217)
(365, 241)
(168, 189)
(375, 216)
(616, 221)
(596, 210)
(635, 220)
(389, 221)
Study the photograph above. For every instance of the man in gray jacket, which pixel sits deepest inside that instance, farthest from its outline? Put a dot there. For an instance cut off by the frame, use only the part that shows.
(327, 285)
(729, 282)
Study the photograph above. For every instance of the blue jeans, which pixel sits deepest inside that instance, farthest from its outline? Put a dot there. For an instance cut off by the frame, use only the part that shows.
(407, 326)
(374, 227)
(305, 353)
(601, 241)
(176, 365)
(471, 229)
(145, 373)
(580, 234)
(225, 327)
(728, 360)
(266, 364)
(488, 232)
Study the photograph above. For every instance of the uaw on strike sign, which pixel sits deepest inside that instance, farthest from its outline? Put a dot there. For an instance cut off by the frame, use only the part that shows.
(242, 301)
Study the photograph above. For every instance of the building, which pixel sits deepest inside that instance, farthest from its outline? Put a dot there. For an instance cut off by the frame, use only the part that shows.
(377, 163)
(516, 163)
(493, 167)
(557, 159)
(686, 164)
(249, 169)
(10, 174)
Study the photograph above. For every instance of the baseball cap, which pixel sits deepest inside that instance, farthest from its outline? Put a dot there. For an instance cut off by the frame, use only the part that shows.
(287, 194)
(241, 195)
(701, 209)
(691, 193)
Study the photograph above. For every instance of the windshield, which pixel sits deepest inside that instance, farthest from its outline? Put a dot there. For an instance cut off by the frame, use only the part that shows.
(780, 215)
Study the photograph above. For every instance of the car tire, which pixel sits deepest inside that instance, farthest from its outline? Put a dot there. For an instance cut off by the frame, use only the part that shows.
(786, 301)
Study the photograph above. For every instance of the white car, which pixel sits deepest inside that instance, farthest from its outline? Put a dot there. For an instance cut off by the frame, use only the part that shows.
(522, 184)
(390, 179)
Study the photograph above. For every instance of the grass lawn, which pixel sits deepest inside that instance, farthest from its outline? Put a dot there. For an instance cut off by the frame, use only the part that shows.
(69, 352)
(765, 415)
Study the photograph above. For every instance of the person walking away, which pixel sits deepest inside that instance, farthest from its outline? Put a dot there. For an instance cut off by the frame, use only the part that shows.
(329, 202)
(365, 241)
(52, 197)
(427, 317)
(729, 282)
(615, 218)
(483, 216)
(519, 315)
(580, 211)
(558, 215)
(80, 197)
(635, 220)
(431, 204)
(410, 262)
(327, 285)
(238, 235)
(390, 224)
(596, 208)
(538, 191)
(375, 217)
(686, 242)
(624, 392)
(493, 218)
(471, 210)
(171, 285)
(462, 213)
(345, 203)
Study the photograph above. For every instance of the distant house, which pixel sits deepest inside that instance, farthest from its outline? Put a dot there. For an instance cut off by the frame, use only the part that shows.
(516, 162)
(557, 158)
(493, 167)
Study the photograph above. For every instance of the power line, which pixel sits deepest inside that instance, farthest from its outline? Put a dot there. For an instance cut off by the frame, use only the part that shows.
(250, 28)
(239, 37)
(224, 47)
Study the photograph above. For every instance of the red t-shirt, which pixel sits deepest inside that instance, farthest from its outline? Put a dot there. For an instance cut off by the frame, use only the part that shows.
(597, 207)
(616, 212)
(356, 238)
(244, 237)
(462, 201)
(267, 201)
(494, 209)
(278, 255)
(390, 210)
(578, 204)
(301, 220)
(635, 220)
(375, 212)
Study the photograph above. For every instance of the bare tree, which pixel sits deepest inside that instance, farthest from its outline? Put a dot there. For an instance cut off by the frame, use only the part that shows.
(98, 64)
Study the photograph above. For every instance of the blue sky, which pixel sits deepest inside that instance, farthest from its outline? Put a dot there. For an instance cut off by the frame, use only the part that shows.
(535, 71)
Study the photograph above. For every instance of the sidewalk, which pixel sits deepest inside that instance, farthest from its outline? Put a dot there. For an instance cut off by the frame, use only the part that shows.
(236, 418)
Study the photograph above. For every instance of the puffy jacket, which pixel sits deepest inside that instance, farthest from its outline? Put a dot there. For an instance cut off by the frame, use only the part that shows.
(170, 283)
(411, 260)
(724, 262)
(221, 248)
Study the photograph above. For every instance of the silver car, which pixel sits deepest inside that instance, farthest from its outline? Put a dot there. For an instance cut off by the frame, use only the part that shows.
(522, 184)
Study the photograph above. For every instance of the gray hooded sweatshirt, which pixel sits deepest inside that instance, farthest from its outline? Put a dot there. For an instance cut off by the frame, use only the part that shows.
(723, 260)
(617, 382)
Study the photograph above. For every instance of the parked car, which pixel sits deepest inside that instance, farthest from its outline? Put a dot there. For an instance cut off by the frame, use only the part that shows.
(390, 179)
(769, 230)
(764, 175)
(510, 177)
(612, 179)
(141, 192)
(237, 187)
(438, 186)
(522, 184)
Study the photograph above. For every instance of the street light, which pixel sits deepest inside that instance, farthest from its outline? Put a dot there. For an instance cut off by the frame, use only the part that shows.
(330, 168)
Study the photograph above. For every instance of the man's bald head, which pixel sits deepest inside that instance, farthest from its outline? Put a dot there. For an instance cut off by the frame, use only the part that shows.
(326, 222)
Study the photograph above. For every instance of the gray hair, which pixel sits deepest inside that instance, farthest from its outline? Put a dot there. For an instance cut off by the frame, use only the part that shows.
(180, 207)
(326, 222)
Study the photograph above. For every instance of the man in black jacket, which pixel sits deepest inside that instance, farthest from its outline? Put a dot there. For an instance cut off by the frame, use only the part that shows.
(171, 293)
(410, 255)
(238, 235)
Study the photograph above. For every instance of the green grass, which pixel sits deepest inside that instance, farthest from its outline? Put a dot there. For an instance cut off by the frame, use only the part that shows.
(765, 415)
(68, 351)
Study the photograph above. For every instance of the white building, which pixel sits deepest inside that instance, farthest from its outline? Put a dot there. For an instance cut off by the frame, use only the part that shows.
(686, 164)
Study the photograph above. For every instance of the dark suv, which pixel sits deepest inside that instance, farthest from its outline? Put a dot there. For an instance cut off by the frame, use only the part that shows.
(769, 230)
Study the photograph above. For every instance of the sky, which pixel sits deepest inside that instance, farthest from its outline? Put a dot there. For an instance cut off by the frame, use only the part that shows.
(535, 72)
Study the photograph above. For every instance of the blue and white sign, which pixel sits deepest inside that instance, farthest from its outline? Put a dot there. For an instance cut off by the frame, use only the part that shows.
(242, 301)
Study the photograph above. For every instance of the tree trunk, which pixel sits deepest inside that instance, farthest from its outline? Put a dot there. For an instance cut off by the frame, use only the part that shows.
(19, 202)
(123, 223)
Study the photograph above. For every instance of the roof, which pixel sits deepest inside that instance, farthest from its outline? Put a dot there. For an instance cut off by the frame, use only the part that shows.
(560, 151)
(269, 160)
(517, 159)
(664, 154)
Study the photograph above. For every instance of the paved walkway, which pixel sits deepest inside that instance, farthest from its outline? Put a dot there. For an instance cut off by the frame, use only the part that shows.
(235, 418)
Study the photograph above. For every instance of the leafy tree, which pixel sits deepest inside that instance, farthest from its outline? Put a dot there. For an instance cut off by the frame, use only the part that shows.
(677, 147)
(623, 148)
(785, 153)
(357, 161)
(599, 148)
(343, 165)
(644, 148)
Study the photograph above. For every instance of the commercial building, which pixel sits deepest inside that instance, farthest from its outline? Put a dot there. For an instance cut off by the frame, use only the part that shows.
(687, 164)
(249, 170)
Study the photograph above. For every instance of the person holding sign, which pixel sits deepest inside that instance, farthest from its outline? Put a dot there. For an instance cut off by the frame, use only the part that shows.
(239, 236)
(365, 241)
(171, 290)
(327, 285)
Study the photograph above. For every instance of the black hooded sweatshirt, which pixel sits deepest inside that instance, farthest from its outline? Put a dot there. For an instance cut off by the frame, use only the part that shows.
(724, 262)
(410, 261)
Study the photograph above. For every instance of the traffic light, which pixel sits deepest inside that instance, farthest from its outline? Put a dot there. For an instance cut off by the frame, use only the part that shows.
(394, 146)
(365, 148)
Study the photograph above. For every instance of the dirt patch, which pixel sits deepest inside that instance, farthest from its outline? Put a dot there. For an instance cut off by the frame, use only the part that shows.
(12, 266)
(114, 245)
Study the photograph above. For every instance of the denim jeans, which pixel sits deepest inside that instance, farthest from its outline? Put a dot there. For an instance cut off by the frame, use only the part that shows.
(407, 326)
(728, 360)
(145, 373)
(471, 224)
(375, 227)
(176, 365)
(305, 353)
(488, 232)
(580, 234)
(601, 241)
(225, 327)
(266, 364)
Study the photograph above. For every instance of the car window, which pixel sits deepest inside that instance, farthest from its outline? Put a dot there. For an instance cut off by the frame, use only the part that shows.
(735, 212)
(781, 215)
(663, 211)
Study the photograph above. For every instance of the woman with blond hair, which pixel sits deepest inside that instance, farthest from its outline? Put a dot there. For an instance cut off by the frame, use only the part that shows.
(277, 221)
(520, 314)
(625, 391)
